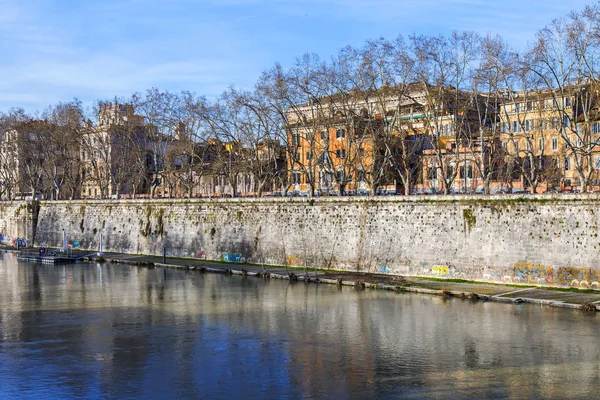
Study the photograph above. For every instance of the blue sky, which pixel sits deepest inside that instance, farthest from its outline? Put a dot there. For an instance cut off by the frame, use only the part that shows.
(54, 50)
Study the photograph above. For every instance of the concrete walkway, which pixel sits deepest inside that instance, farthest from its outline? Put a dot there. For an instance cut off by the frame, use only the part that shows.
(556, 297)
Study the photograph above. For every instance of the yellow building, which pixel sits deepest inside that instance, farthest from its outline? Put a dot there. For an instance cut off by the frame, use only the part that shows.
(551, 139)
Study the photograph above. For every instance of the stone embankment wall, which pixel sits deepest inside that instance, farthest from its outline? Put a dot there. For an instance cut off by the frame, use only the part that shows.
(16, 219)
(534, 239)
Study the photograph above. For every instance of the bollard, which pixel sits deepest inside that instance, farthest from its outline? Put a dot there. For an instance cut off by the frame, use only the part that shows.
(164, 254)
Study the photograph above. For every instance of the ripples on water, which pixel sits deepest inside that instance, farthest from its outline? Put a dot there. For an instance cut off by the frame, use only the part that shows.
(113, 331)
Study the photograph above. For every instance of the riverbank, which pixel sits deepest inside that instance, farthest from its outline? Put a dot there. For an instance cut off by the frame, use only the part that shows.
(588, 300)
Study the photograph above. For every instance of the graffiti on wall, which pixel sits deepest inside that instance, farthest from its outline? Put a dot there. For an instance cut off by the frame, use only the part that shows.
(536, 274)
(563, 276)
(437, 270)
(232, 257)
(440, 270)
(384, 269)
(579, 277)
(8, 240)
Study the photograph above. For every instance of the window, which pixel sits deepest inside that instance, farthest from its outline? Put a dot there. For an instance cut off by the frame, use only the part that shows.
(516, 146)
(528, 145)
(579, 129)
(322, 157)
(566, 121)
(361, 151)
(324, 134)
(297, 156)
(597, 162)
(567, 164)
(432, 173)
(554, 143)
(340, 133)
(518, 107)
(528, 125)
(341, 153)
(567, 102)
(449, 172)
(447, 129)
(296, 178)
(466, 171)
(529, 105)
(295, 139)
(596, 127)
(339, 175)
(516, 127)
(362, 175)
(541, 124)
(504, 128)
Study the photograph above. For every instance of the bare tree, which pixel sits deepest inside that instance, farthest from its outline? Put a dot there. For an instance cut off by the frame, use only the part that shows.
(190, 156)
(564, 59)
(32, 138)
(443, 68)
(490, 85)
(298, 102)
(114, 152)
(384, 74)
(65, 123)
(275, 89)
(10, 177)
(158, 109)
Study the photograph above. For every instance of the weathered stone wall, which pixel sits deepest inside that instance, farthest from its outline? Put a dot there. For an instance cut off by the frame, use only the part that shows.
(537, 239)
(16, 219)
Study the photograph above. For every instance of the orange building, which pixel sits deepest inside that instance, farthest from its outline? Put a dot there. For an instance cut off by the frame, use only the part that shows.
(358, 143)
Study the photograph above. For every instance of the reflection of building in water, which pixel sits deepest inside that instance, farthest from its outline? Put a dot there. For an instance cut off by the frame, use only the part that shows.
(135, 324)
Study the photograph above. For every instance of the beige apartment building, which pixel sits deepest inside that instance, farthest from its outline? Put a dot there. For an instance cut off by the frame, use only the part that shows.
(114, 154)
(552, 141)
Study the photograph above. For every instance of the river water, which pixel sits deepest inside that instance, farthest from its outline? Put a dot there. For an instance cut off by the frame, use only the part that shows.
(115, 331)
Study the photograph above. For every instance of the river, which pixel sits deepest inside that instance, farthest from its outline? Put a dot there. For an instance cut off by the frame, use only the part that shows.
(115, 331)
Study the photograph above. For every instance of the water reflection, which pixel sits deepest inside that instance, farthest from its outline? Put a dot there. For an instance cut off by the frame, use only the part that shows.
(125, 332)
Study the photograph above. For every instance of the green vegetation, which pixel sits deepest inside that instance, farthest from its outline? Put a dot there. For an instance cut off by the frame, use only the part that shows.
(523, 286)
(469, 219)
